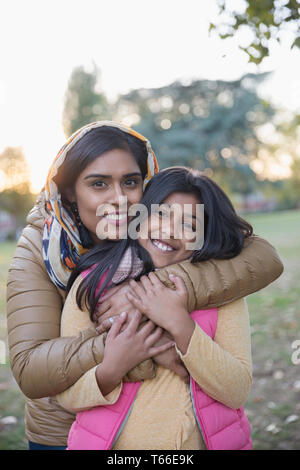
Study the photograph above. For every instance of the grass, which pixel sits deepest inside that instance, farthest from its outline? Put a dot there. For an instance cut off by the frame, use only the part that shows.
(273, 406)
(12, 436)
(274, 403)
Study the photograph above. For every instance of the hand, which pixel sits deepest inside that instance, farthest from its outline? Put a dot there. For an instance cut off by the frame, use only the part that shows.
(124, 350)
(104, 324)
(163, 305)
(114, 302)
(168, 359)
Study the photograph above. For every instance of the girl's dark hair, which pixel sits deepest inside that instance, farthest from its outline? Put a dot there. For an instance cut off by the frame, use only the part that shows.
(224, 231)
(93, 144)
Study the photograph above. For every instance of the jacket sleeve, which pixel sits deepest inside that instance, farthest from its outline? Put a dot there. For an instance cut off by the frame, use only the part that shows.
(217, 282)
(42, 363)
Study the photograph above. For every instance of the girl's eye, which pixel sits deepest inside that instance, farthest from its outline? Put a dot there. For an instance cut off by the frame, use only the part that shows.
(189, 227)
(162, 213)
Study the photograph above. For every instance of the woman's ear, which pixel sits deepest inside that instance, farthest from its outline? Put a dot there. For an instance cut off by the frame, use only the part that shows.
(70, 195)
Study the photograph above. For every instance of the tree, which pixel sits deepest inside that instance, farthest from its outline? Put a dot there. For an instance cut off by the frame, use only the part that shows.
(83, 104)
(14, 169)
(209, 125)
(15, 196)
(267, 19)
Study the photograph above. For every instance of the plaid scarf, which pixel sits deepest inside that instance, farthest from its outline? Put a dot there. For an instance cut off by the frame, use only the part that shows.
(62, 246)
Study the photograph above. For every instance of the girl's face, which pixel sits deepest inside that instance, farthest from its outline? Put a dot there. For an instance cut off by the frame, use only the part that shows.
(166, 235)
(107, 182)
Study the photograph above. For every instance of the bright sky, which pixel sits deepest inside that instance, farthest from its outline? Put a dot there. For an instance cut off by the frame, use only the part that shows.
(136, 43)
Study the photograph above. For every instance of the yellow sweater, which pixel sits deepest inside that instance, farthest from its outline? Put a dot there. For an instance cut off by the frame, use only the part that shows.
(162, 416)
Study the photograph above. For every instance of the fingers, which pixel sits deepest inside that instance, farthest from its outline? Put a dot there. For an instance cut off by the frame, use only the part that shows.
(111, 291)
(182, 372)
(105, 325)
(150, 338)
(137, 303)
(137, 288)
(103, 307)
(116, 325)
(178, 281)
(154, 280)
(147, 284)
(147, 328)
(154, 337)
(160, 349)
(133, 323)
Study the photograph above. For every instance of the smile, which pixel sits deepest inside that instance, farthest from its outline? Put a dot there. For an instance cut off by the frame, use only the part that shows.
(116, 216)
(162, 246)
(116, 219)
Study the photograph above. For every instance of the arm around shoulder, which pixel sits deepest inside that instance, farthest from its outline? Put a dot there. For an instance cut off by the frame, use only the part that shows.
(217, 282)
(42, 363)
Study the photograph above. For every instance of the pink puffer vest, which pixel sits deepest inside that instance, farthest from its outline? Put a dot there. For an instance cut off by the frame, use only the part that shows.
(222, 428)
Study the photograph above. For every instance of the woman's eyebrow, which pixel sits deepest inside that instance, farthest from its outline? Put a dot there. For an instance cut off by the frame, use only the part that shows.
(98, 175)
(137, 173)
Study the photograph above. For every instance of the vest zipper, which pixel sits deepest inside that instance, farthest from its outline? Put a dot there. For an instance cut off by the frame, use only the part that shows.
(195, 413)
(123, 423)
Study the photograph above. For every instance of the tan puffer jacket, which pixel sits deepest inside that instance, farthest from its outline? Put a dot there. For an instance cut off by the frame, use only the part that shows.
(44, 364)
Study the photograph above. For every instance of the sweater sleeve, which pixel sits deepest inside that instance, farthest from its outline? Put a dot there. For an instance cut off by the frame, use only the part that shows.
(223, 367)
(218, 282)
(42, 363)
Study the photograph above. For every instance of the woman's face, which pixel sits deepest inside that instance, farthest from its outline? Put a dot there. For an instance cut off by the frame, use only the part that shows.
(166, 234)
(104, 187)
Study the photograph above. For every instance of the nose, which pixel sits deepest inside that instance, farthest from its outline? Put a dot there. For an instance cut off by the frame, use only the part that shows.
(171, 227)
(117, 197)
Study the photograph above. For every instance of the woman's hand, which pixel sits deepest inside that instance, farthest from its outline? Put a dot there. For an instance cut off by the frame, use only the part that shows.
(124, 350)
(114, 302)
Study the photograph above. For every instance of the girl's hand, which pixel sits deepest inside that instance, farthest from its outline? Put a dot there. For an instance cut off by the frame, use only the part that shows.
(124, 350)
(169, 359)
(164, 306)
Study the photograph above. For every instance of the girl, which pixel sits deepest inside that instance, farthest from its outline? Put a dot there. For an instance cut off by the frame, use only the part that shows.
(162, 413)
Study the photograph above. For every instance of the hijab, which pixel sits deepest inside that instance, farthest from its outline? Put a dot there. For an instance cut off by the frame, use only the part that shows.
(62, 246)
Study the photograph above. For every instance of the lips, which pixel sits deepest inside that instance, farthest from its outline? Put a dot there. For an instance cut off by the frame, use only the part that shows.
(162, 246)
(116, 218)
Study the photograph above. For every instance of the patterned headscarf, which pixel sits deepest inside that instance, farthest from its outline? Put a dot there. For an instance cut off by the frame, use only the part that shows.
(62, 246)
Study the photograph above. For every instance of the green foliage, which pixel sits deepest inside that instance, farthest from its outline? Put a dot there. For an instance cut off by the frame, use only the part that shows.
(210, 125)
(289, 195)
(266, 19)
(83, 104)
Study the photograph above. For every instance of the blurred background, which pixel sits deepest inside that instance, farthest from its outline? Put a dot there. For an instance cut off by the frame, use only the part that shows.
(213, 85)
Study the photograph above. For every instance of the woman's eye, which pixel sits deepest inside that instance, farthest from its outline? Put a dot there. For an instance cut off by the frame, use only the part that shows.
(99, 184)
(131, 182)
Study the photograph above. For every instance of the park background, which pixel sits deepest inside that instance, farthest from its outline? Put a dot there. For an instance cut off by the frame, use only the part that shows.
(213, 85)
